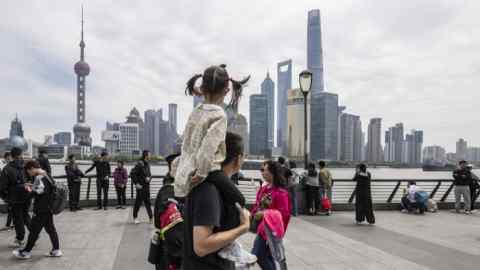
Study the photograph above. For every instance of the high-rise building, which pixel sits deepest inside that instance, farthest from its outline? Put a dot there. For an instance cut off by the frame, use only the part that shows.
(129, 139)
(434, 155)
(268, 89)
(461, 152)
(340, 111)
(314, 50)
(172, 116)
(135, 118)
(151, 132)
(394, 140)
(374, 145)
(81, 130)
(63, 138)
(238, 125)
(296, 124)
(350, 137)
(473, 154)
(412, 148)
(112, 136)
(284, 83)
(16, 128)
(324, 126)
(258, 124)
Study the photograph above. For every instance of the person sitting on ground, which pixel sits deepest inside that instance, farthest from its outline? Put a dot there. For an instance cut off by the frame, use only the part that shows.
(409, 200)
(42, 190)
(363, 195)
(204, 147)
(120, 179)
(211, 226)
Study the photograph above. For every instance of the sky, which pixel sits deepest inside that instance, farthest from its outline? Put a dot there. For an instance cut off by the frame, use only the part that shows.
(415, 62)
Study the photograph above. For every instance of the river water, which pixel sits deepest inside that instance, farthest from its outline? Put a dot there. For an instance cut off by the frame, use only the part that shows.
(338, 173)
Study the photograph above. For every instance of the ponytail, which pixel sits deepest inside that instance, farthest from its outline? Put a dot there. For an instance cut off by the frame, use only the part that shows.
(191, 90)
(237, 88)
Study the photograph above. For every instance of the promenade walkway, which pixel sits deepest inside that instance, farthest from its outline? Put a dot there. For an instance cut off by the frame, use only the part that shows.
(105, 240)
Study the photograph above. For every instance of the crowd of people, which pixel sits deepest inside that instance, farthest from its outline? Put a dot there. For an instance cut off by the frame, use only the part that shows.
(199, 213)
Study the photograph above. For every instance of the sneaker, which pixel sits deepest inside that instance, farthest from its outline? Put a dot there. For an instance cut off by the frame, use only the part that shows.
(468, 212)
(54, 253)
(405, 211)
(22, 255)
(136, 221)
(17, 243)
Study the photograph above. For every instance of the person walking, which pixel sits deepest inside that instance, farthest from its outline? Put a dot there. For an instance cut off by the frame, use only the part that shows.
(42, 190)
(325, 182)
(74, 181)
(272, 196)
(141, 177)
(4, 196)
(462, 180)
(13, 183)
(120, 178)
(312, 186)
(44, 162)
(104, 172)
(363, 196)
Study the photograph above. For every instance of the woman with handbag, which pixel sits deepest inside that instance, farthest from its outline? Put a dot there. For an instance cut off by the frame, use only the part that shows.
(273, 195)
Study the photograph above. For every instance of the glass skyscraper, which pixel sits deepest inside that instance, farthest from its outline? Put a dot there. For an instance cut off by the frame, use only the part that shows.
(324, 126)
(314, 50)
(284, 83)
(268, 89)
(258, 124)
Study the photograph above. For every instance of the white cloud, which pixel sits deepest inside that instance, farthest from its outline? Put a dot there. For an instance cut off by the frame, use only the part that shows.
(414, 61)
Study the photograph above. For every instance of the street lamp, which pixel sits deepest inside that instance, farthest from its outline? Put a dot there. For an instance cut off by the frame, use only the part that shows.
(305, 79)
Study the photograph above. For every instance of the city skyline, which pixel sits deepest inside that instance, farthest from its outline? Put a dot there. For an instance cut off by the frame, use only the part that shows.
(368, 60)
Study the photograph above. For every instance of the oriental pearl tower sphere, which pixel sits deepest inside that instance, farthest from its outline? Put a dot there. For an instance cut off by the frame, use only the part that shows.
(81, 130)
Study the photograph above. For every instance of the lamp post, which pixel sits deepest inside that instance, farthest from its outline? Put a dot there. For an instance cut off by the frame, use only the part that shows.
(305, 79)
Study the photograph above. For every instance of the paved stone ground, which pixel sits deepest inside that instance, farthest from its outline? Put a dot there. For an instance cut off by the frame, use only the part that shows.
(105, 240)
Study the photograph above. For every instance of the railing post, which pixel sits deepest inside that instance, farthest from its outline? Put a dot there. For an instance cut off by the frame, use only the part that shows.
(89, 184)
(444, 197)
(434, 191)
(390, 198)
(350, 200)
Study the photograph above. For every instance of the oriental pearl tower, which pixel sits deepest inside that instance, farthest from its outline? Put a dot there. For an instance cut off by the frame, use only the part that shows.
(81, 130)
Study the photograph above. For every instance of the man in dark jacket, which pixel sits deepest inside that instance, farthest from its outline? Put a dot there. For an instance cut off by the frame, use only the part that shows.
(44, 162)
(462, 180)
(12, 181)
(474, 186)
(42, 191)
(141, 177)
(103, 175)
(74, 180)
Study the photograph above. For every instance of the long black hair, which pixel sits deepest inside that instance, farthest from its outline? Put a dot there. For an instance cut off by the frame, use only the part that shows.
(276, 170)
(312, 170)
(214, 80)
(234, 147)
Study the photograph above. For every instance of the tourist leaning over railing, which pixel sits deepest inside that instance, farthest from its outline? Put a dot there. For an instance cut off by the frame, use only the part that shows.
(363, 195)
(74, 180)
(463, 179)
(273, 195)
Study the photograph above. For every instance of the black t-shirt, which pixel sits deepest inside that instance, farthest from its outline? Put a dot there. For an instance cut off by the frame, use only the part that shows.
(204, 207)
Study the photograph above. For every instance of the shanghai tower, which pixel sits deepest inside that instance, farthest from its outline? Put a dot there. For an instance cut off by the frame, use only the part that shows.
(81, 130)
(314, 50)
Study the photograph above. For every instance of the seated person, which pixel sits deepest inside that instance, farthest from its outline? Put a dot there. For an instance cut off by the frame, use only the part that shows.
(409, 200)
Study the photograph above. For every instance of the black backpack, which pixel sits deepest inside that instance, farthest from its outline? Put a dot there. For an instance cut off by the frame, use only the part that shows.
(58, 197)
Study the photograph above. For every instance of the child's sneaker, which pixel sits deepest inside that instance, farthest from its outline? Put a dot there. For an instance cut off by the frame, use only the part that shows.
(17, 243)
(22, 255)
(235, 253)
(54, 253)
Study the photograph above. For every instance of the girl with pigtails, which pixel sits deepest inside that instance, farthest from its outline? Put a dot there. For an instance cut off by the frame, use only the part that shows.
(204, 148)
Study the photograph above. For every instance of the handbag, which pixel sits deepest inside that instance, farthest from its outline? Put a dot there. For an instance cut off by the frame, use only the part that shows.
(157, 249)
(326, 204)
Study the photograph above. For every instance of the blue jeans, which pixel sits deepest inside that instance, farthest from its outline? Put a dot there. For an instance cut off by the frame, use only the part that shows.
(293, 199)
(264, 257)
